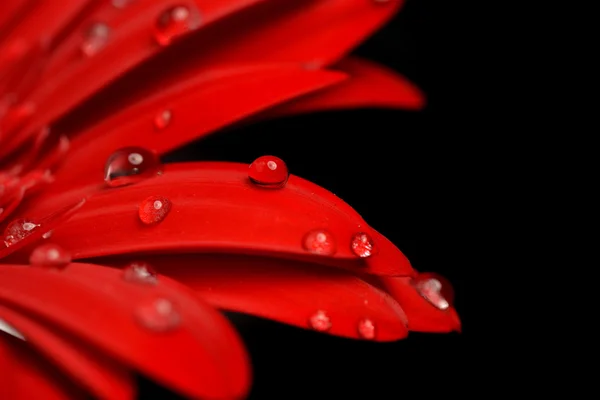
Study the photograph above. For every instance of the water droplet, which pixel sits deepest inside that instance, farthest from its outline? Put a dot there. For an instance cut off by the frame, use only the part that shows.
(154, 209)
(320, 322)
(362, 245)
(131, 165)
(436, 289)
(47, 235)
(158, 315)
(95, 39)
(140, 272)
(17, 230)
(121, 4)
(268, 172)
(163, 119)
(49, 256)
(175, 22)
(366, 329)
(320, 241)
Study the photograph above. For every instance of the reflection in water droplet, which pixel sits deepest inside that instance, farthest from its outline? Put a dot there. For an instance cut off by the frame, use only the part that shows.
(154, 209)
(174, 22)
(436, 289)
(320, 321)
(366, 329)
(95, 39)
(319, 241)
(17, 230)
(49, 256)
(131, 165)
(162, 119)
(362, 245)
(159, 315)
(268, 172)
(140, 272)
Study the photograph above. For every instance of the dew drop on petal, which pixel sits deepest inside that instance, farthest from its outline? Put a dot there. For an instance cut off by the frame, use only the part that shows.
(49, 256)
(366, 329)
(120, 4)
(131, 165)
(140, 272)
(158, 315)
(268, 172)
(320, 322)
(162, 119)
(435, 289)
(95, 39)
(319, 241)
(47, 235)
(362, 245)
(17, 230)
(174, 22)
(154, 209)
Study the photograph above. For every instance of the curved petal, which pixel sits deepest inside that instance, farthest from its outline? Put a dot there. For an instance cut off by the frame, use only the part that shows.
(215, 208)
(30, 375)
(287, 291)
(197, 108)
(369, 85)
(189, 347)
(104, 378)
(422, 316)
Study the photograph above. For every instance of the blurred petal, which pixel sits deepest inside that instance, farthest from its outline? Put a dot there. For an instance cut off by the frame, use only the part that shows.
(199, 356)
(215, 208)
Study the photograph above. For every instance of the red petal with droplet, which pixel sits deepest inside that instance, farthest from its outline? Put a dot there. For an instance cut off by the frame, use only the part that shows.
(198, 108)
(369, 85)
(104, 378)
(203, 357)
(422, 315)
(215, 208)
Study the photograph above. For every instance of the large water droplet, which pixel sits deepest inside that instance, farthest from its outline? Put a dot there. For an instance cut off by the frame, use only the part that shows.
(268, 172)
(362, 245)
(174, 22)
(95, 39)
(366, 329)
(154, 209)
(140, 272)
(320, 322)
(131, 165)
(158, 315)
(319, 241)
(17, 230)
(162, 119)
(436, 289)
(49, 256)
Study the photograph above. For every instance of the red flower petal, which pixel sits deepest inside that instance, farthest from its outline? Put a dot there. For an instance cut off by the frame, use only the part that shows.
(104, 378)
(286, 291)
(369, 85)
(201, 356)
(215, 208)
(422, 315)
(198, 107)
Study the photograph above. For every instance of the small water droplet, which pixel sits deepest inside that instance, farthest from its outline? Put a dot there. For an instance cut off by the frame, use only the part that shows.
(320, 241)
(121, 4)
(362, 245)
(436, 289)
(140, 272)
(154, 209)
(174, 22)
(163, 119)
(49, 256)
(320, 322)
(158, 315)
(47, 235)
(366, 329)
(268, 172)
(95, 39)
(131, 165)
(17, 230)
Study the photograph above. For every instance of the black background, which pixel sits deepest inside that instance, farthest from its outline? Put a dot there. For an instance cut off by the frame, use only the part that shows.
(395, 168)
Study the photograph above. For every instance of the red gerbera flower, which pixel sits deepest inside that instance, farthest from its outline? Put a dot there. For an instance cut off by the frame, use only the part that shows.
(106, 276)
